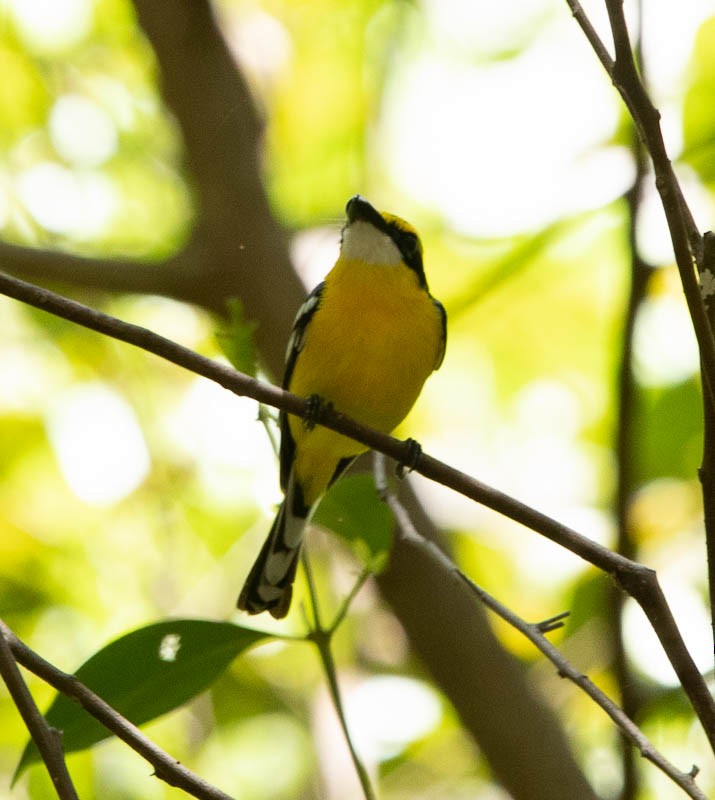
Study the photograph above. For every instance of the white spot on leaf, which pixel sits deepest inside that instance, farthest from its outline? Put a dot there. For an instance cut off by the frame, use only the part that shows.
(169, 647)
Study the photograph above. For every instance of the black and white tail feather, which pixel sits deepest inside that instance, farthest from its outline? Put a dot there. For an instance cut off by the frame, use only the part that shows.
(269, 585)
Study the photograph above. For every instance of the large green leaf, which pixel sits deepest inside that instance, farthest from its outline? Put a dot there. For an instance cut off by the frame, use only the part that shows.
(145, 674)
(354, 511)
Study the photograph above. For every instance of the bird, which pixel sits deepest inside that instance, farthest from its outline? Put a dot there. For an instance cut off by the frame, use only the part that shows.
(364, 341)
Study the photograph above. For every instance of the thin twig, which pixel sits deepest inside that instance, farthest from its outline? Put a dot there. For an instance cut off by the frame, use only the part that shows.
(267, 420)
(535, 633)
(638, 580)
(347, 601)
(322, 638)
(316, 622)
(686, 239)
(594, 39)
(166, 768)
(686, 780)
(47, 738)
(322, 642)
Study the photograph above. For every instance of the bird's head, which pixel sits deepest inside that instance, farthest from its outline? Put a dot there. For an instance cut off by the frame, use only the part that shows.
(377, 237)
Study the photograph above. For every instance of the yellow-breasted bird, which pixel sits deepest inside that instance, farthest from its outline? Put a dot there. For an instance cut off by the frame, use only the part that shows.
(365, 341)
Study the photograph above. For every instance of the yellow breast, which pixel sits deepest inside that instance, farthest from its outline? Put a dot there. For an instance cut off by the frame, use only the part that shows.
(368, 350)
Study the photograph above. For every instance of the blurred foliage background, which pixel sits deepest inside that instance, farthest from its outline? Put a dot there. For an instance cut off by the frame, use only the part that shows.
(131, 491)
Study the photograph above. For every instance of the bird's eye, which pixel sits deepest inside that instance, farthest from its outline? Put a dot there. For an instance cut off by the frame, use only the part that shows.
(409, 244)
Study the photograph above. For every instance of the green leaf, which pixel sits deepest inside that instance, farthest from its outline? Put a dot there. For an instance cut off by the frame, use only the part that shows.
(663, 703)
(698, 120)
(236, 341)
(588, 601)
(145, 674)
(354, 511)
(668, 429)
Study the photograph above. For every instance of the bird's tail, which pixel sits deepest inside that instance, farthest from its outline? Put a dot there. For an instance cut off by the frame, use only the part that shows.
(269, 585)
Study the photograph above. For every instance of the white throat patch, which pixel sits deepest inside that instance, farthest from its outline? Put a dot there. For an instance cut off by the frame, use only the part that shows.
(364, 242)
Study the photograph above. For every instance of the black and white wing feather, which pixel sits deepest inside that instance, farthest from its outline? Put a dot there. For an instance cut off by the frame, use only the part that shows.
(295, 345)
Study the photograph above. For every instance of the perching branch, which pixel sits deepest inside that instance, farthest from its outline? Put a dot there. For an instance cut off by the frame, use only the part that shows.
(166, 768)
(638, 580)
(535, 633)
(47, 738)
